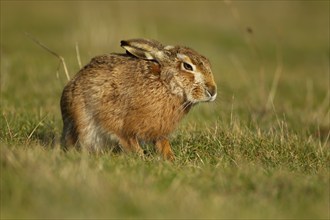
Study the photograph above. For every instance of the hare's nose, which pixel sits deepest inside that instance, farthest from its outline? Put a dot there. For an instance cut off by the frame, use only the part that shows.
(211, 92)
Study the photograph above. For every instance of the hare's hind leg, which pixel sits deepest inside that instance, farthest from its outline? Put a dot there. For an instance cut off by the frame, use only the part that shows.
(79, 132)
(164, 148)
(69, 136)
(90, 136)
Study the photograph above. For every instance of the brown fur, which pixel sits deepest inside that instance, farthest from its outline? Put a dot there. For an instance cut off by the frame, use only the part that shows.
(139, 96)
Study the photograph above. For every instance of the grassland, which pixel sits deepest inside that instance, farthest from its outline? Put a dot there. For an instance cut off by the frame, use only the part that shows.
(260, 151)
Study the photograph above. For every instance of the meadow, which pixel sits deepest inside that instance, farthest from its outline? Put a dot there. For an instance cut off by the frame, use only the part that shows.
(261, 150)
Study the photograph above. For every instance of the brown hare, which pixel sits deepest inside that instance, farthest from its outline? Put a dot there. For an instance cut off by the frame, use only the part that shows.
(133, 97)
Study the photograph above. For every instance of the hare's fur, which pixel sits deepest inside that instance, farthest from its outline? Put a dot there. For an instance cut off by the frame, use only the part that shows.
(138, 96)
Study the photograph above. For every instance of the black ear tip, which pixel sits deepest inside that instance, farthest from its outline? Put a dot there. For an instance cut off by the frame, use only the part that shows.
(123, 43)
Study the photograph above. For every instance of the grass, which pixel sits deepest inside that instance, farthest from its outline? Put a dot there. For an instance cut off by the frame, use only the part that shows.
(260, 151)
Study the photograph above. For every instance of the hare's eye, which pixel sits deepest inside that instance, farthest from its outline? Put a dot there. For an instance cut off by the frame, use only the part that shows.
(187, 66)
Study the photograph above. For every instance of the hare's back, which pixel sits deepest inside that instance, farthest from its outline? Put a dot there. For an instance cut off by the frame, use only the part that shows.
(104, 69)
(108, 63)
(110, 79)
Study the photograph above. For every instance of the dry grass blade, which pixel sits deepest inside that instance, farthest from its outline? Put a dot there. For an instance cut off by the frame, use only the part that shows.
(277, 75)
(7, 124)
(78, 55)
(273, 89)
(50, 51)
(35, 128)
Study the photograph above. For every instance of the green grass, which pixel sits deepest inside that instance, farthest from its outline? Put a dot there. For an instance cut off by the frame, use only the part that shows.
(260, 151)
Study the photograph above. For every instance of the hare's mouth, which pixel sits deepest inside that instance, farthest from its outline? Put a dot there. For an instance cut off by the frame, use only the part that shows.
(206, 98)
(201, 93)
(211, 97)
(210, 94)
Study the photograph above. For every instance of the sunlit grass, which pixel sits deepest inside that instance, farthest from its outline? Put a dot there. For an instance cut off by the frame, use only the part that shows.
(260, 151)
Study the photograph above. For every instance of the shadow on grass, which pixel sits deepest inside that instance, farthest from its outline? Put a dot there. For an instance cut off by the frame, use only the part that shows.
(51, 139)
(47, 138)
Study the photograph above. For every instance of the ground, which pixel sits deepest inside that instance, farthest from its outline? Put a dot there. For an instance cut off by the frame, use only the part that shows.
(260, 151)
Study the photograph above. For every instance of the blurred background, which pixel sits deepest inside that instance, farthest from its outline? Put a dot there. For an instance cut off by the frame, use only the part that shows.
(270, 58)
(261, 150)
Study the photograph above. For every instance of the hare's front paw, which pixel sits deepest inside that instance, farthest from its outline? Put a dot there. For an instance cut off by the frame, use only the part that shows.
(164, 148)
(131, 145)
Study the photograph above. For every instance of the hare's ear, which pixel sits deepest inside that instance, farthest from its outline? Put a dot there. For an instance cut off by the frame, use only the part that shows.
(144, 49)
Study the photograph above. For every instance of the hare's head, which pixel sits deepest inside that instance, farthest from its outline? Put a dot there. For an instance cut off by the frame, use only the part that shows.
(187, 73)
